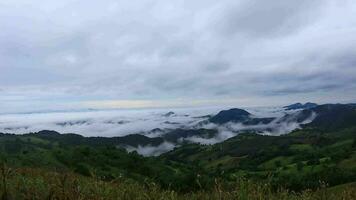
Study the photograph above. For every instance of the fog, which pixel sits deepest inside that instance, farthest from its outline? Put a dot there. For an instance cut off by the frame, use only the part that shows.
(110, 123)
(105, 123)
(152, 150)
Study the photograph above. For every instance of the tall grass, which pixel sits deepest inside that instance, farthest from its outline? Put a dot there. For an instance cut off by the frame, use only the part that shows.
(27, 183)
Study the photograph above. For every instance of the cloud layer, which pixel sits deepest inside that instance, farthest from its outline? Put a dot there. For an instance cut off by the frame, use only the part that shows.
(68, 54)
(148, 122)
(107, 123)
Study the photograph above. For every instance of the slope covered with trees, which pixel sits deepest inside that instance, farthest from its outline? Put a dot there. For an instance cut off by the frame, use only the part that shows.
(318, 159)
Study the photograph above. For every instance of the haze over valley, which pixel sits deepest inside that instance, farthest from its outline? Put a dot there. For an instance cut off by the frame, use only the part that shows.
(208, 125)
(179, 99)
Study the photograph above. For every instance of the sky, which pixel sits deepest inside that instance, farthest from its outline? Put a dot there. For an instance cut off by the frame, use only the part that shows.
(71, 54)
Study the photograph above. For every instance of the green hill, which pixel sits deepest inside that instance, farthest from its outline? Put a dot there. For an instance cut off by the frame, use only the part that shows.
(317, 160)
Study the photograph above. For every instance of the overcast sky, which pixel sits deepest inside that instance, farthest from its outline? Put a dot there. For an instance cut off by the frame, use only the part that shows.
(72, 54)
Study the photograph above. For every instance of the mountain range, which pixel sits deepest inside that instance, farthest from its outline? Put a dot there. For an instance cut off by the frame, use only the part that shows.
(322, 149)
(327, 117)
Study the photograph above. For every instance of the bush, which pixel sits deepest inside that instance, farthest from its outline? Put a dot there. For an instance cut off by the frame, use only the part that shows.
(82, 169)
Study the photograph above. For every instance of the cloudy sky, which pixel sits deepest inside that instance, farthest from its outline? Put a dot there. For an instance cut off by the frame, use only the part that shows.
(75, 54)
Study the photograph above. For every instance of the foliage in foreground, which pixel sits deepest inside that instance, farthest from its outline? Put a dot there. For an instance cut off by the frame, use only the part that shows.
(26, 183)
(296, 162)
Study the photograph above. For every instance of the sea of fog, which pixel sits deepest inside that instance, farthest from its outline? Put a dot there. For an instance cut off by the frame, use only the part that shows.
(109, 123)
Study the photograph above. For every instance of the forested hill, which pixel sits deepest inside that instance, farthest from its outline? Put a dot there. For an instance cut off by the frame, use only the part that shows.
(320, 154)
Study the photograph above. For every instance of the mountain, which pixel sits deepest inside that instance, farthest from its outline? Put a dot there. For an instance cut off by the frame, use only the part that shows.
(300, 106)
(176, 135)
(326, 117)
(301, 158)
(232, 115)
(136, 140)
(322, 151)
(133, 140)
(334, 116)
(169, 114)
(237, 115)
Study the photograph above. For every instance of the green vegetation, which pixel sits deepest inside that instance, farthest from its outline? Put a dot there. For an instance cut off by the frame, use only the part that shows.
(315, 162)
(50, 165)
(104, 161)
(26, 183)
(296, 161)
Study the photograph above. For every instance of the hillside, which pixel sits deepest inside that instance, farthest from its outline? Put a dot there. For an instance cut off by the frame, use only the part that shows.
(323, 150)
(296, 106)
(321, 154)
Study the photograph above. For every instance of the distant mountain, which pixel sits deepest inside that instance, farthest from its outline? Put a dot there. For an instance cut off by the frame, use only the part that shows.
(179, 134)
(72, 123)
(232, 115)
(300, 106)
(169, 114)
(352, 104)
(296, 117)
(133, 140)
(323, 117)
(326, 117)
(202, 117)
(175, 136)
(237, 115)
(136, 140)
(334, 116)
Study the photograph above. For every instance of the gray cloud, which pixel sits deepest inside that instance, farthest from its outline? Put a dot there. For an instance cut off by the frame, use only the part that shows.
(70, 52)
(265, 19)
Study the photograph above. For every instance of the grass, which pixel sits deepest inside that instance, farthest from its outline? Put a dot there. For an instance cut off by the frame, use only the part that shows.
(301, 148)
(344, 143)
(225, 160)
(249, 166)
(349, 163)
(28, 183)
(272, 164)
